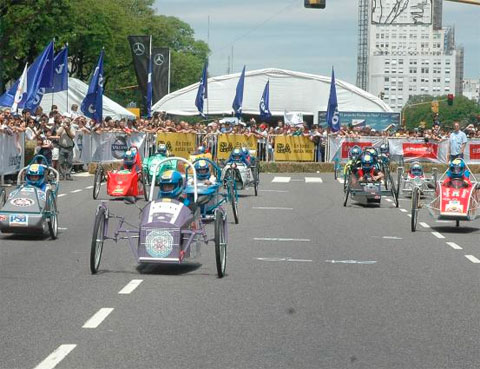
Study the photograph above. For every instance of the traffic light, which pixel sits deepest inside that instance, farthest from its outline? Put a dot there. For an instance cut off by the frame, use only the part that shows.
(435, 106)
(316, 4)
(450, 99)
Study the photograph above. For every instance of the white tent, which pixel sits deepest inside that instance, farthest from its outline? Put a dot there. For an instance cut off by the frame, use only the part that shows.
(76, 93)
(289, 91)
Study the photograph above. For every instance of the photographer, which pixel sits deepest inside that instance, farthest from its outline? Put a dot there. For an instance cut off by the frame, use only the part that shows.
(66, 144)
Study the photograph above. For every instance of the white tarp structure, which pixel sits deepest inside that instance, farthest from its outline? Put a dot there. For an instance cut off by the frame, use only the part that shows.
(289, 91)
(76, 93)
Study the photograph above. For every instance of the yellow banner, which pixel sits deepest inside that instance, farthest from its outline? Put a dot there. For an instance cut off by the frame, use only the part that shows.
(293, 148)
(226, 143)
(179, 144)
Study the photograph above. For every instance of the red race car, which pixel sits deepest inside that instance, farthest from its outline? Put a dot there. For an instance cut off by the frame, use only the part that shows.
(125, 182)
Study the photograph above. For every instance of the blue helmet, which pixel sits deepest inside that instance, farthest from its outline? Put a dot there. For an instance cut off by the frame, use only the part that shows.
(373, 152)
(368, 161)
(384, 149)
(201, 150)
(237, 154)
(162, 150)
(35, 175)
(355, 152)
(129, 159)
(416, 170)
(171, 184)
(245, 151)
(203, 169)
(457, 168)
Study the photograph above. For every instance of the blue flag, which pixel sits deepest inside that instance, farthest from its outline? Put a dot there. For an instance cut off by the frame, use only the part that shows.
(202, 90)
(333, 118)
(149, 87)
(92, 104)
(238, 101)
(264, 106)
(60, 71)
(39, 78)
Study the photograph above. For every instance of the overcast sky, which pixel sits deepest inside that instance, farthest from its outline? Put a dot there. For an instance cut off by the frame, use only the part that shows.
(283, 34)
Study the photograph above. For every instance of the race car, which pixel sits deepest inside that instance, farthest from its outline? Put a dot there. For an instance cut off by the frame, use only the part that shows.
(32, 207)
(243, 169)
(127, 182)
(149, 164)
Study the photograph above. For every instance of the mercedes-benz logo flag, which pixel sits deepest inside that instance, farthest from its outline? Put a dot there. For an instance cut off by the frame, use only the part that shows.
(161, 72)
(140, 47)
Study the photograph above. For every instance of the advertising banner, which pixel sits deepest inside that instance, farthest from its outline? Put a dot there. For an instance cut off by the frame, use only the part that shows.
(82, 152)
(293, 148)
(111, 146)
(339, 147)
(12, 148)
(179, 144)
(378, 120)
(226, 143)
(419, 150)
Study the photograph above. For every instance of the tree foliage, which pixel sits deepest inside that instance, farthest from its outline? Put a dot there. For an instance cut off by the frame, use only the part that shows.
(464, 110)
(27, 26)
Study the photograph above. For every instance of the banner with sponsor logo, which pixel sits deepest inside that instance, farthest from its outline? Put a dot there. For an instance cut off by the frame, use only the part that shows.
(226, 143)
(419, 150)
(339, 147)
(375, 120)
(82, 152)
(293, 148)
(12, 149)
(179, 144)
(111, 146)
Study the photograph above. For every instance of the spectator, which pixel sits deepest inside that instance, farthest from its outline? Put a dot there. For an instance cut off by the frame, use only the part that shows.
(66, 135)
(456, 142)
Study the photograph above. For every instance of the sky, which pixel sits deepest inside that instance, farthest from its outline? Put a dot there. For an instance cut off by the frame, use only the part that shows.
(283, 34)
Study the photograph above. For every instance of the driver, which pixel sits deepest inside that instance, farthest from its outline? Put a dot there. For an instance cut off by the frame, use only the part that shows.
(353, 162)
(36, 176)
(203, 173)
(162, 150)
(250, 159)
(457, 171)
(171, 187)
(416, 170)
(374, 153)
(384, 153)
(129, 160)
(237, 156)
(368, 170)
(200, 150)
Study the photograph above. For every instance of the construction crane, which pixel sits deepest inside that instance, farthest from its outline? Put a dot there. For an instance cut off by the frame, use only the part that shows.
(321, 4)
(473, 2)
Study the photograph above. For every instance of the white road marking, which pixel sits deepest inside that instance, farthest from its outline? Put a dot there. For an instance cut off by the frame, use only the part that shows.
(300, 260)
(443, 221)
(282, 239)
(389, 200)
(270, 208)
(55, 357)
(473, 259)
(281, 179)
(409, 215)
(351, 261)
(280, 191)
(453, 245)
(62, 194)
(403, 210)
(286, 259)
(84, 174)
(392, 238)
(424, 225)
(62, 228)
(341, 180)
(438, 235)
(88, 187)
(130, 287)
(97, 318)
(313, 180)
(75, 191)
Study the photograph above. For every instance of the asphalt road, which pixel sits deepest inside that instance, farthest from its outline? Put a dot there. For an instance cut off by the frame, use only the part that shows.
(310, 284)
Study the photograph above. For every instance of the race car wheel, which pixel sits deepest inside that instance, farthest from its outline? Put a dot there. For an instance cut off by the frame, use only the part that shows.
(220, 243)
(144, 180)
(457, 223)
(347, 193)
(97, 182)
(97, 240)
(335, 169)
(414, 218)
(52, 220)
(233, 199)
(399, 182)
(3, 197)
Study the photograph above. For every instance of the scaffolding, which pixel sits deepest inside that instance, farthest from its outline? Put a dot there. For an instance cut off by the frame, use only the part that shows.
(362, 58)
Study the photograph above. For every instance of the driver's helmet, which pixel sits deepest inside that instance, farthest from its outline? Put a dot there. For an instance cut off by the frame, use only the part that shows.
(384, 150)
(201, 150)
(245, 151)
(171, 184)
(162, 150)
(355, 152)
(416, 170)
(237, 154)
(367, 161)
(129, 159)
(457, 168)
(373, 152)
(203, 169)
(35, 175)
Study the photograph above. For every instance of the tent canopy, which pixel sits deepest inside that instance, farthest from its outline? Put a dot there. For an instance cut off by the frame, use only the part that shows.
(289, 91)
(76, 93)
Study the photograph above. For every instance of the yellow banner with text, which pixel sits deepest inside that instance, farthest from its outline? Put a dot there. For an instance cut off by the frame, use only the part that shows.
(226, 143)
(294, 148)
(179, 144)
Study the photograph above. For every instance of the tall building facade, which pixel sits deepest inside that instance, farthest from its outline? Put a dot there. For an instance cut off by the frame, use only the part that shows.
(404, 50)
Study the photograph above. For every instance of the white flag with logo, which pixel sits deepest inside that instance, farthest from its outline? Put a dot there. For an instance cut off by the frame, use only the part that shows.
(21, 89)
(292, 118)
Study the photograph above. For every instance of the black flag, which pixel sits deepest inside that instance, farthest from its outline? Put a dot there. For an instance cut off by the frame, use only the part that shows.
(161, 72)
(140, 46)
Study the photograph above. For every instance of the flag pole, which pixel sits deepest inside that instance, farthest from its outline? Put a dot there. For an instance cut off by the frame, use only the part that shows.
(66, 66)
(53, 87)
